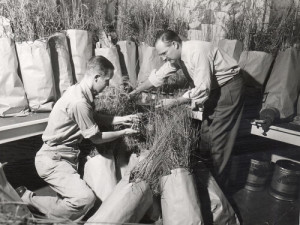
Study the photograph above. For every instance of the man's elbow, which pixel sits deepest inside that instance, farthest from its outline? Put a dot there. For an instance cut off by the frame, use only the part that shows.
(97, 139)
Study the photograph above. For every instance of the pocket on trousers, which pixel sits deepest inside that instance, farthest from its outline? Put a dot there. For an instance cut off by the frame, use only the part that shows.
(44, 165)
(225, 98)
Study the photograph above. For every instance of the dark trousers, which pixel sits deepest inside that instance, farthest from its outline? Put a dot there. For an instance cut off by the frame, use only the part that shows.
(221, 119)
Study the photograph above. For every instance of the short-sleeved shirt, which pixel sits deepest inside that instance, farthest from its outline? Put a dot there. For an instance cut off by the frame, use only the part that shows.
(71, 118)
(208, 66)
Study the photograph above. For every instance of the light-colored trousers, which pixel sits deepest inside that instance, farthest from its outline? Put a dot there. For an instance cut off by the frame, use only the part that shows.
(74, 197)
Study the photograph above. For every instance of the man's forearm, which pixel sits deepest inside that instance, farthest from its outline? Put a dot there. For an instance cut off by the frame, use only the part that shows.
(107, 136)
(143, 86)
(182, 100)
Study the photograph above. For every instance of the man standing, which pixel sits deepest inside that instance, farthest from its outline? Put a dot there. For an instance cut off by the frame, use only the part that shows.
(72, 119)
(218, 89)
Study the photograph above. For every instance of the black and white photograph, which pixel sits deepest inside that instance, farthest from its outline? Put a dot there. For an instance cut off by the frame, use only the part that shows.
(150, 112)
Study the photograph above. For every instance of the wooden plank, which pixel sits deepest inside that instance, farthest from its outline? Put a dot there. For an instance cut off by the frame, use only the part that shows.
(278, 133)
(10, 122)
(275, 158)
(16, 128)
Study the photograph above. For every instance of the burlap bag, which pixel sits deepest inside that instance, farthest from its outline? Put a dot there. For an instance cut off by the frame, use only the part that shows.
(283, 86)
(100, 174)
(179, 200)
(233, 48)
(81, 48)
(255, 67)
(61, 64)
(12, 95)
(127, 203)
(128, 52)
(112, 55)
(150, 61)
(37, 74)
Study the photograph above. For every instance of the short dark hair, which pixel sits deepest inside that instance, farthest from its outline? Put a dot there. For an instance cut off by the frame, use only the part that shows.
(99, 63)
(168, 36)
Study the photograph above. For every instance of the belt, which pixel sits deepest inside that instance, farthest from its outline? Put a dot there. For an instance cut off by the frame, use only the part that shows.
(60, 153)
(59, 147)
(235, 77)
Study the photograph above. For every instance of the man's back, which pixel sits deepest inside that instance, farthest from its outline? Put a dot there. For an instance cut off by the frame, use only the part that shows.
(62, 128)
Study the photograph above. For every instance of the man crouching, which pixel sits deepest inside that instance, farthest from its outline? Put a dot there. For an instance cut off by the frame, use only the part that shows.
(71, 120)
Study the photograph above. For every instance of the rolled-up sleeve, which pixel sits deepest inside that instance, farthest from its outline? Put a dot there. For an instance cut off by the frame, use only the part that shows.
(83, 115)
(157, 77)
(201, 76)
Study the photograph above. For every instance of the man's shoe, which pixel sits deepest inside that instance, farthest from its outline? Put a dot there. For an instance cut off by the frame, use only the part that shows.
(35, 212)
(21, 190)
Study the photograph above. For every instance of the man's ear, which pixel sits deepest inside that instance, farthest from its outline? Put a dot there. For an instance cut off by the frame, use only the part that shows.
(175, 44)
(97, 76)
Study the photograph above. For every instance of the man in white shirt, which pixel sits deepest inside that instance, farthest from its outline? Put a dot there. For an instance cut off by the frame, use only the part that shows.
(217, 88)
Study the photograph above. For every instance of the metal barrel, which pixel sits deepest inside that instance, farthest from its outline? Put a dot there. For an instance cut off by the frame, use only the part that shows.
(285, 180)
(259, 173)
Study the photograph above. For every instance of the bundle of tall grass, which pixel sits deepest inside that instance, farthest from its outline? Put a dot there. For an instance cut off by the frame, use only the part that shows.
(31, 20)
(280, 33)
(76, 14)
(12, 213)
(113, 101)
(36, 19)
(143, 20)
(171, 139)
(247, 24)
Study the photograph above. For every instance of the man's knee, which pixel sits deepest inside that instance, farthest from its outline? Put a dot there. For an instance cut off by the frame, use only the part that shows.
(84, 201)
(89, 198)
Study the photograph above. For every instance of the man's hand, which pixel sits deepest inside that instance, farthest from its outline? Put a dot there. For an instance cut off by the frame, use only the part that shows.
(130, 119)
(129, 131)
(166, 103)
(268, 116)
(126, 120)
(146, 85)
(132, 94)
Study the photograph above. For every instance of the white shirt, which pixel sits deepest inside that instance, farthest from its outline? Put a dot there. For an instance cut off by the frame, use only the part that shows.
(207, 65)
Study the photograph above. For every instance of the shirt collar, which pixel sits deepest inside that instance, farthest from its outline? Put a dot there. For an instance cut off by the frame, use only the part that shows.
(86, 91)
(184, 51)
